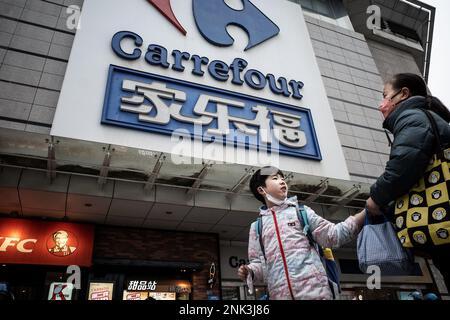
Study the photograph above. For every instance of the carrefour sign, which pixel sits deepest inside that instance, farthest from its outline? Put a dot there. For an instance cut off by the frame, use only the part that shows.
(177, 107)
(228, 74)
(158, 56)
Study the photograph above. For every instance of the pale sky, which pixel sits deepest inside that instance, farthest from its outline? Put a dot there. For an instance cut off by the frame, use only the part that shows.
(439, 78)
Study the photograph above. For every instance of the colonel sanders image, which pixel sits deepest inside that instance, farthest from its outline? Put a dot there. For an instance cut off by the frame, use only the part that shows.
(61, 247)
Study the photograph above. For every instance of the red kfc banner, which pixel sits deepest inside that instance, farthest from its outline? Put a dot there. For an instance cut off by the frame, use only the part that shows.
(49, 243)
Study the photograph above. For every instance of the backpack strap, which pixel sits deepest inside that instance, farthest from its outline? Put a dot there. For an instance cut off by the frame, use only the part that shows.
(329, 265)
(258, 226)
(303, 218)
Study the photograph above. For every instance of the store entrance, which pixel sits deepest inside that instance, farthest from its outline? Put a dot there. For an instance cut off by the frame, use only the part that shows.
(139, 283)
(32, 282)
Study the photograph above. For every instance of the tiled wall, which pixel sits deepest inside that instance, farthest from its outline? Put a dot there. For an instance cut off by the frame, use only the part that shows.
(35, 45)
(354, 88)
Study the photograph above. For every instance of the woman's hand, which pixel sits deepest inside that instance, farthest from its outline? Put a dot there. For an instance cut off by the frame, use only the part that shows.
(373, 208)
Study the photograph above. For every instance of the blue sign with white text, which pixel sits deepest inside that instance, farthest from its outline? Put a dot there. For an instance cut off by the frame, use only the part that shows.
(158, 104)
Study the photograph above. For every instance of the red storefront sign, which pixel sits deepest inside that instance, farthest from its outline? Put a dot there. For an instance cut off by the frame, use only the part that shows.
(49, 243)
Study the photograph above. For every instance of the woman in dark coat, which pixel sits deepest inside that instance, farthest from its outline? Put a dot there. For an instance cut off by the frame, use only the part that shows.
(412, 148)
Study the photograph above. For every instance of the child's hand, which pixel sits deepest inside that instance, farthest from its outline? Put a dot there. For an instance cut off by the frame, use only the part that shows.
(243, 272)
(359, 217)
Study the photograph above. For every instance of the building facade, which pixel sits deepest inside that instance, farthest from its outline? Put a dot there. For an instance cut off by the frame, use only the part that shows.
(80, 144)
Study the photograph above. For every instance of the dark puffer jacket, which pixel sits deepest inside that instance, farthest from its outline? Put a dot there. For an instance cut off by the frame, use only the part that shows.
(411, 150)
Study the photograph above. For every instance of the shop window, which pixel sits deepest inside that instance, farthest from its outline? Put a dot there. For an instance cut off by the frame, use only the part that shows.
(405, 295)
(349, 294)
(367, 294)
(377, 294)
(260, 293)
(30, 282)
(163, 295)
(230, 293)
(140, 283)
(139, 287)
(101, 290)
(57, 287)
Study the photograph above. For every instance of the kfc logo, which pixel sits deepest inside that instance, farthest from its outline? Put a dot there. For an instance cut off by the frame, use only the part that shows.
(62, 243)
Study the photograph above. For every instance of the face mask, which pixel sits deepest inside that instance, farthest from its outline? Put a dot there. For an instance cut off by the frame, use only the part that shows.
(274, 200)
(387, 105)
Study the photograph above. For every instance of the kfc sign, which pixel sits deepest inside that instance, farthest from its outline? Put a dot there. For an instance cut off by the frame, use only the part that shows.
(18, 243)
(39, 242)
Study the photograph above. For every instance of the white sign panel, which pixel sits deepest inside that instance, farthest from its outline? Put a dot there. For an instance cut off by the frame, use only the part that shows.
(230, 260)
(229, 81)
(60, 291)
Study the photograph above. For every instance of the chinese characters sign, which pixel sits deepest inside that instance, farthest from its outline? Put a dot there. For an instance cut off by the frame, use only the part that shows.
(135, 285)
(164, 105)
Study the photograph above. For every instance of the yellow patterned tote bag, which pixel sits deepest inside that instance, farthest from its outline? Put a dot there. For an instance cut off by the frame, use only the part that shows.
(422, 216)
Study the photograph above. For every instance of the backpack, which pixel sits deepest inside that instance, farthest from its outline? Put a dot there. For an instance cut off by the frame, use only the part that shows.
(325, 254)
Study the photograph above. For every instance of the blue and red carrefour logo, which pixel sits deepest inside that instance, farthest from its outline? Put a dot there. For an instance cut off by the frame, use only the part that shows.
(212, 18)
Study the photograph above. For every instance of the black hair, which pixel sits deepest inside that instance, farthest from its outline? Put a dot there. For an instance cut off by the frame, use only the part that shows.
(418, 87)
(259, 180)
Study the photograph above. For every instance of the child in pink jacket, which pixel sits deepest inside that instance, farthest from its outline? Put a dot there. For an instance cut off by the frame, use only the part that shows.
(291, 267)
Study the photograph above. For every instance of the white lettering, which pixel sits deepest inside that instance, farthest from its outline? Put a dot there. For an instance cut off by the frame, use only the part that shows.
(21, 245)
(75, 276)
(196, 310)
(286, 126)
(374, 280)
(8, 242)
(374, 20)
(73, 18)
